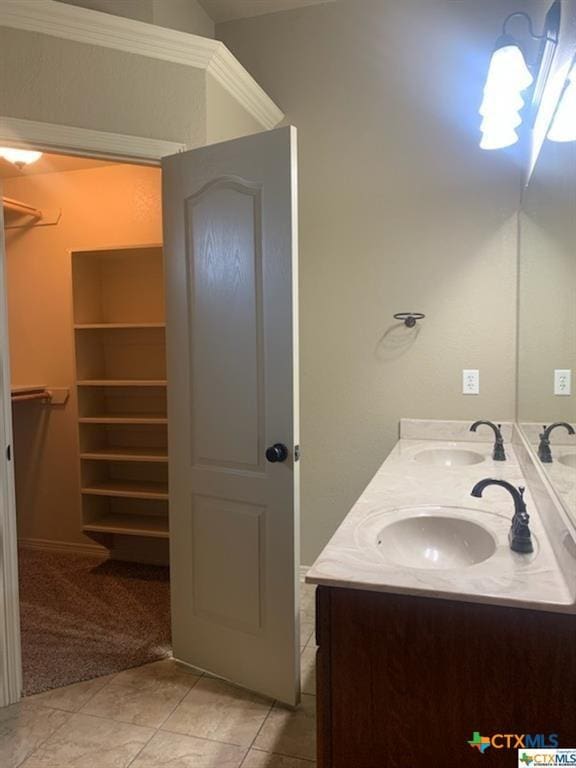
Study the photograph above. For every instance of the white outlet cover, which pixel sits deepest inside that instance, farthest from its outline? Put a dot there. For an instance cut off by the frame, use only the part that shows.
(470, 381)
(563, 382)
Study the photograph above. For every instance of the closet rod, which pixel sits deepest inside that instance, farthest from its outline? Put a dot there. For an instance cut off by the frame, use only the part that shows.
(46, 396)
(18, 207)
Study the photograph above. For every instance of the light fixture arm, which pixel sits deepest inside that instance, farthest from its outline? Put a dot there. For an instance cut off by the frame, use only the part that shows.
(528, 19)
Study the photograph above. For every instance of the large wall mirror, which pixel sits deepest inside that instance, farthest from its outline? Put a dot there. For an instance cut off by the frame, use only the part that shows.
(547, 317)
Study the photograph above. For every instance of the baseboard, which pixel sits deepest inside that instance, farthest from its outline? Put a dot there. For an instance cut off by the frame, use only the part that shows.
(47, 545)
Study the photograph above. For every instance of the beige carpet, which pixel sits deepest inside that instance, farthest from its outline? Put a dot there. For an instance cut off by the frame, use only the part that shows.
(83, 617)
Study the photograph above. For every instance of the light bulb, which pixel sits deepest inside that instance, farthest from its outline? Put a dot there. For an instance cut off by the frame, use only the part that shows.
(564, 124)
(19, 157)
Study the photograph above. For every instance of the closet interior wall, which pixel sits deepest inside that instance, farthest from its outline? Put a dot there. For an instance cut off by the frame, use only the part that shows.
(102, 209)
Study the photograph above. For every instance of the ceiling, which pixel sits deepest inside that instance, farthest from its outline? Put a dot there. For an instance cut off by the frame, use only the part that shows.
(225, 10)
(49, 163)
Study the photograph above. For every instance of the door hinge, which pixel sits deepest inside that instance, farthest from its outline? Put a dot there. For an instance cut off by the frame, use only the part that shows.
(9, 453)
(296, 453)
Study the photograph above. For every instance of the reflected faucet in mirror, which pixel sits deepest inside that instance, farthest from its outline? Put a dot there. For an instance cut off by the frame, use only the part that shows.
(544, 451)
(498, 454)
(520, 536)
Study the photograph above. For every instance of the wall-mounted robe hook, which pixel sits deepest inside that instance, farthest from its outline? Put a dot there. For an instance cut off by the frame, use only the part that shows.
(409, 318)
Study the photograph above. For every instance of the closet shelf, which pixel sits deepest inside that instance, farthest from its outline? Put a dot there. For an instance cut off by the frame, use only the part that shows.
(123, 489)
(122, 383)
(119, 326)
(125, 418)
(131, 525)
(150, 455)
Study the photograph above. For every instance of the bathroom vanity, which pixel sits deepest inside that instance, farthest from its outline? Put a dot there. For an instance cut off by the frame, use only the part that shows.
(429, 628)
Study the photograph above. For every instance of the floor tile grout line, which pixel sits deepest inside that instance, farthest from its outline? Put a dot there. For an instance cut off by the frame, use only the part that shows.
(154, 732)
(175, 707)
(203, 738)
(251, 745)
(41, 744)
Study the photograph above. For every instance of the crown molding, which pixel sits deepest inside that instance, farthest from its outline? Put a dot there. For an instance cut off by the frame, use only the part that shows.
(82, 25)
(46, 136)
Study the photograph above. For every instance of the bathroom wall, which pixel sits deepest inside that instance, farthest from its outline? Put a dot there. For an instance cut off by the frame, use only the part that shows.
(113, 205)
(184, 15)
(225, 117)
(400, 210)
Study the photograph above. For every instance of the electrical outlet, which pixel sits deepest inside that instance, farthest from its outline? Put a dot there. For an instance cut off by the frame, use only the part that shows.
(470, 382)
(563, 382)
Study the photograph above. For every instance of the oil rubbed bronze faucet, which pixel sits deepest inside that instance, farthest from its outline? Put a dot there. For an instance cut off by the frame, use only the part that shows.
(544, 452)
(520, 536)
(498, 454)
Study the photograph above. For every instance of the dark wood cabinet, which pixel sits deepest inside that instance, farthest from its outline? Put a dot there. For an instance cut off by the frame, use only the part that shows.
(404, 682)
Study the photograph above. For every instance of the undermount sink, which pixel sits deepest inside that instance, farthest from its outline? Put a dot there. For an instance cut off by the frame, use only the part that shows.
(569, 460)
(436, 541)
(448, 457)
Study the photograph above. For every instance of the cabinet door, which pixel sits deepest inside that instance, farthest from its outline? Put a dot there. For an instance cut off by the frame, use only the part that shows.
(231, 279)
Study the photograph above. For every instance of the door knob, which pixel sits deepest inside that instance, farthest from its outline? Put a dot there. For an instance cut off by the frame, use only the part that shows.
(277, 453)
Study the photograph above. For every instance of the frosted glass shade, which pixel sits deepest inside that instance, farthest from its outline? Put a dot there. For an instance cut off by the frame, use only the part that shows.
(508, 76)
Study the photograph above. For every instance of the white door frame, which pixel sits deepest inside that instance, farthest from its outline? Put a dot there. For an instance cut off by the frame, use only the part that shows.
(70, 141)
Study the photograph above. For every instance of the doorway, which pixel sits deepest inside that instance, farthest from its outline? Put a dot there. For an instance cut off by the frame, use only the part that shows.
(88, 389)
(230, 256)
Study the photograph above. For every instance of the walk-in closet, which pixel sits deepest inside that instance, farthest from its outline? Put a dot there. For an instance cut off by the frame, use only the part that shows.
(86, 309)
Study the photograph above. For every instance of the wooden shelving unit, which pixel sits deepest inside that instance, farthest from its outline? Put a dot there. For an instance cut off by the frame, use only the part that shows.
(119, 326)
(127, 490)
(123, 454)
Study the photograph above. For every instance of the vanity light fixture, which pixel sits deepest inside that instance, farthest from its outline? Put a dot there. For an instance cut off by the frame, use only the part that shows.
(509, 76)
(19, 157)
(564, 124)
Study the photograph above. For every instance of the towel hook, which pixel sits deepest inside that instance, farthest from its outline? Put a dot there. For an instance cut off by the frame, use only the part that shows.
(409, 318)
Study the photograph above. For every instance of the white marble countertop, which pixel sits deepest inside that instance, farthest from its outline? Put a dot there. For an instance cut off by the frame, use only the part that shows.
(352, 560)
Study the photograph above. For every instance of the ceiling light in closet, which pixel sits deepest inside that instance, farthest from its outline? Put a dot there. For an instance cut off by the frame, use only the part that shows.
(564, 123)
(19, 157)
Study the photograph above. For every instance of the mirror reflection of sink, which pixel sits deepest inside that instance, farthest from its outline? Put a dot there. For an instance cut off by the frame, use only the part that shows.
(435, 541)
(569, 460)
(448, 457)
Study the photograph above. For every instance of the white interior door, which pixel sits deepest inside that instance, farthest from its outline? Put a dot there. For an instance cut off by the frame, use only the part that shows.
(10, 660)
(230, 236)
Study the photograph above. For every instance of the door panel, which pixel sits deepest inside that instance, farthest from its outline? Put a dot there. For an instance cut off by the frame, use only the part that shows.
(225, 267)
(231, 278)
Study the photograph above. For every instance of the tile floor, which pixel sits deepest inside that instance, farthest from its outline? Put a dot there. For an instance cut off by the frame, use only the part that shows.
(163, 714)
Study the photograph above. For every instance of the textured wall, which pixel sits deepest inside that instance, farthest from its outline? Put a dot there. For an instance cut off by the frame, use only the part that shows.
(59, 81)
(399, 211)
(184, 15)
(115, 205)
(225, 117)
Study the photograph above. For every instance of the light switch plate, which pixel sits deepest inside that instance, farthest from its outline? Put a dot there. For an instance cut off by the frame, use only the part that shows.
(470, 382)
(563, 382)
